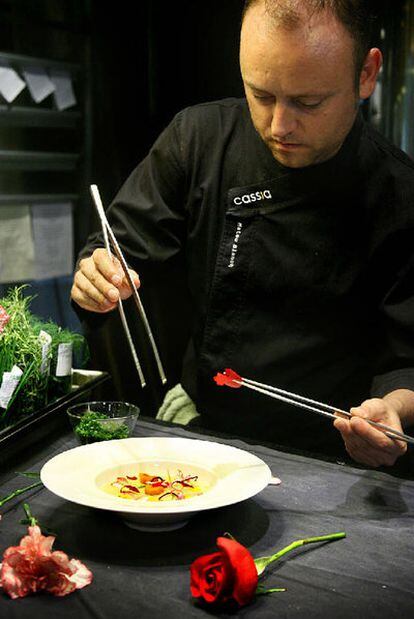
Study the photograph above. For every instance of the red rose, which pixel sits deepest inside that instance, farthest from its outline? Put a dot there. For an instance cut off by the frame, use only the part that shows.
(224, 576)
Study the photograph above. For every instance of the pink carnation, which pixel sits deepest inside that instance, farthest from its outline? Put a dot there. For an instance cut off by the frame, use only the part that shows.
(33, 567)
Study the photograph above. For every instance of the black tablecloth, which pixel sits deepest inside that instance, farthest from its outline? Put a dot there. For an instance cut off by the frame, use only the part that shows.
(143, 575)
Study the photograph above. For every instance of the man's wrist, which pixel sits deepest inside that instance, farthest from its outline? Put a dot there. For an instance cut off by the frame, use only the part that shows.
(402, 401)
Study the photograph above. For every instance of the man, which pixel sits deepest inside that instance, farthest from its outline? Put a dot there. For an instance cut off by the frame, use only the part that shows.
(294, 220)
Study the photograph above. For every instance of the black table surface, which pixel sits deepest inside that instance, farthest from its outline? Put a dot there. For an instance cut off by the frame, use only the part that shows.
(368, 574)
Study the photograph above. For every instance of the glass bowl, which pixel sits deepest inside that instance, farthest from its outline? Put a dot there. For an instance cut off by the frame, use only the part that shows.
(102, 421)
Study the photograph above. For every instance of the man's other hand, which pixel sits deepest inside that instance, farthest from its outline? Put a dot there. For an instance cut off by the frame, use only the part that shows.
(100, 282)
(366, 444)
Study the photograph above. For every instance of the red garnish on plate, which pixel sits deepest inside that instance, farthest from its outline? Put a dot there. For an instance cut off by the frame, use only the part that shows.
(229, 378)
(177, 495)
(126, 489)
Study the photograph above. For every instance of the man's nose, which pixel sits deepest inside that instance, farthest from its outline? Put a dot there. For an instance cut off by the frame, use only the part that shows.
(283, 121)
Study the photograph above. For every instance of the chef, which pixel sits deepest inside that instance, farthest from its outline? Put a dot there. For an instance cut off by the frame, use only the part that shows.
(294, 221)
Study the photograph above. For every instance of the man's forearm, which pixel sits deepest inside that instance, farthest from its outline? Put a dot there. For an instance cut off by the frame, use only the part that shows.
(402, 400)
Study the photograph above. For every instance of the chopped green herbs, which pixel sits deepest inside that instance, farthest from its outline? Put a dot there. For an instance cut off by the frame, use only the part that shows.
(99, 427)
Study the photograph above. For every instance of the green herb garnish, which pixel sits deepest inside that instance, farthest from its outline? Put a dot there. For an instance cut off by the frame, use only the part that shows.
(91, 428)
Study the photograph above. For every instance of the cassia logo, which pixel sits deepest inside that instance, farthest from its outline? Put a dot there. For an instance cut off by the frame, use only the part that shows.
(248, 198)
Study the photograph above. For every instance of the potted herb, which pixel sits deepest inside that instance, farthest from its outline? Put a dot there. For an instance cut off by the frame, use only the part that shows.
(21, 367)
(35, 358)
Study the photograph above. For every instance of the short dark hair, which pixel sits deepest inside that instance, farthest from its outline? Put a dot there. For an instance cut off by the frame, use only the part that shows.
(356, 15)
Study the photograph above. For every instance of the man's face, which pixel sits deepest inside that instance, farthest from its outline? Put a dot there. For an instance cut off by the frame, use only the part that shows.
(300, 85)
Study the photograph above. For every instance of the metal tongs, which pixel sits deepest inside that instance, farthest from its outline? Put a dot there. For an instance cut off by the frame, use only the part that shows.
(109, 238)
(230, 378)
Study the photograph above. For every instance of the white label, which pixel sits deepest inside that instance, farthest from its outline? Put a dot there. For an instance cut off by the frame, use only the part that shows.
(8, 385)
(235, 245)
(46, 342)
(64, 360)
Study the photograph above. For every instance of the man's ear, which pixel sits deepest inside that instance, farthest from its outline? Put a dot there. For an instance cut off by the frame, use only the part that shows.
(370, 69)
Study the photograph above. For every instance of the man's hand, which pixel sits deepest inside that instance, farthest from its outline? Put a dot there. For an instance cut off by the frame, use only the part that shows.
(366, 444)
(100, 282)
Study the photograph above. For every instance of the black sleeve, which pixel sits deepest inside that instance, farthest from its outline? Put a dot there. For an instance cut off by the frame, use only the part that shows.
(148, 214)
(148, 218)
(396, 363)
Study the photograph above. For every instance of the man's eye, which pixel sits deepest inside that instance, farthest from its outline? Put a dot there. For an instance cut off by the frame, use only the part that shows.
(264, 98)
(308, 106)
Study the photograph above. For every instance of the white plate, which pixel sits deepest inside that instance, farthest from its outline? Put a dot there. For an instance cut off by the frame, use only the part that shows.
(232, 475)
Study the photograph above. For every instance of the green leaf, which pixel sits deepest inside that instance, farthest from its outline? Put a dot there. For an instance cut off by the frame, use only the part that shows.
(33, 474)
(262, 591)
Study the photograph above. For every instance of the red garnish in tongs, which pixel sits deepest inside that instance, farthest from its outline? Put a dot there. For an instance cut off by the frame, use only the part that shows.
(229, 378)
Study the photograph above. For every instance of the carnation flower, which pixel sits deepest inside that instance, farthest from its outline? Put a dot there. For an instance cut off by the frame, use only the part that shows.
(33, 566)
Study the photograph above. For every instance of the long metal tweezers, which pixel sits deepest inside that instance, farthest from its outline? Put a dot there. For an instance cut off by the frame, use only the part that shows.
(111, 240)
(232, 379)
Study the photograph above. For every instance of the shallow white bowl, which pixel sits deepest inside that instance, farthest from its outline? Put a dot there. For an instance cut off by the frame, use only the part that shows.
(232, 475)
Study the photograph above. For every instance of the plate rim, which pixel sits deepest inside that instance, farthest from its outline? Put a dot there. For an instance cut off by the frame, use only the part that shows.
(182, 507)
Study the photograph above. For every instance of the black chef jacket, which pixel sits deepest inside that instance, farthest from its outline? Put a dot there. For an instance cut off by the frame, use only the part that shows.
(299, 278)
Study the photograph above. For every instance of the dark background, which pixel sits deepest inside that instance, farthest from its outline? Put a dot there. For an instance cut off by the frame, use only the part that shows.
(140, 61)
(151, 59)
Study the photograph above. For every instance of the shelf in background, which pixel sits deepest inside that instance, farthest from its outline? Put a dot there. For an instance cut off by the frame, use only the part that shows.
(37, 198)
(20, 116)
(19, 61)
(37, 161)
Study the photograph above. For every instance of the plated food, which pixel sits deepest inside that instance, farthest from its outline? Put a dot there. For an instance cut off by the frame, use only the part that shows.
(144, 487)
(176, 478)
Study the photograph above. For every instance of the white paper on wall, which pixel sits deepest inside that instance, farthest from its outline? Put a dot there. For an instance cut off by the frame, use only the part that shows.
(63, 93)
(16, 244)
(11, 84)
(38, 82)
(53, 239)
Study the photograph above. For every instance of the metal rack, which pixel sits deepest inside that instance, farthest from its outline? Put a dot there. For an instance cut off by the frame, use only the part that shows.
(20, 117)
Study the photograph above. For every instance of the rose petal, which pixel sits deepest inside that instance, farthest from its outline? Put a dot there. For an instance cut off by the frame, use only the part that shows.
(197, 570)
(245, 572)
(212, 578)
(217, 584)
(229, 378)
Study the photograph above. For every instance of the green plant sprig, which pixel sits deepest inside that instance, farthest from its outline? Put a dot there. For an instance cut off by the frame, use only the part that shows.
(18, 492)
(31, 521)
